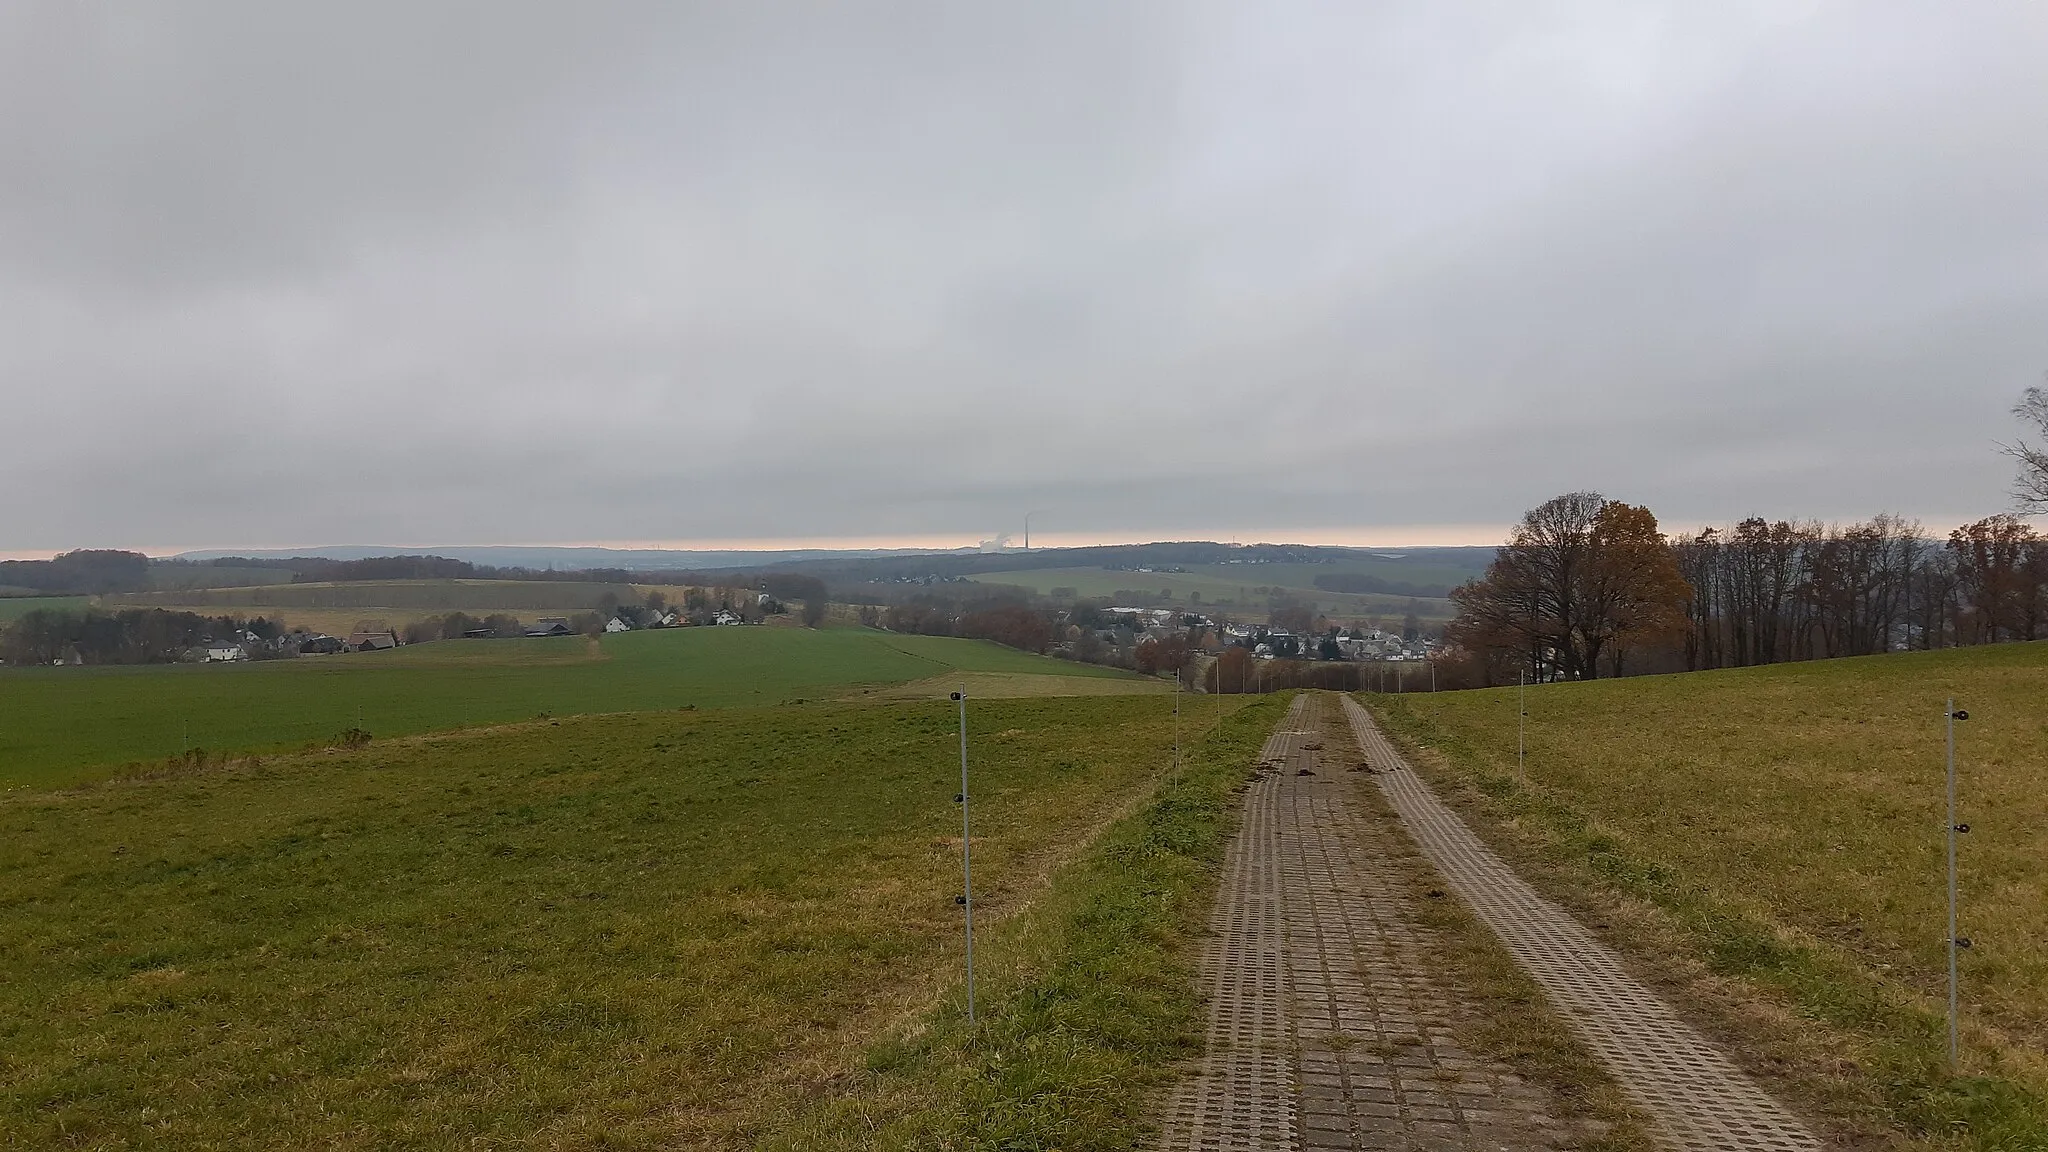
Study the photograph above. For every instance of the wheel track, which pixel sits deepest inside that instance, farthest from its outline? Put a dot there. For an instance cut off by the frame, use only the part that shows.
(1697, 1096)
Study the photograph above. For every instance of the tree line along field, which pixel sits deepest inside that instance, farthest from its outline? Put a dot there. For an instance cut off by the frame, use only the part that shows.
(64, 725)
(1791, 819)
(415, 596)
(1234, 588)
(616, 931)
(337, 608)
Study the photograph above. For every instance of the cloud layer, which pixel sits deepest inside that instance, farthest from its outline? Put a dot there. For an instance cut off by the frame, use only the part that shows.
(476, 273)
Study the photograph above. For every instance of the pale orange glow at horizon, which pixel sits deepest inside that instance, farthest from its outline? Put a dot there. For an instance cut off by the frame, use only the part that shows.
(1407, 536)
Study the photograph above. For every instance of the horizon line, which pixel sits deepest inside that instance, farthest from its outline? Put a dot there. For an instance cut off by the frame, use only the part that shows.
(1407, 536)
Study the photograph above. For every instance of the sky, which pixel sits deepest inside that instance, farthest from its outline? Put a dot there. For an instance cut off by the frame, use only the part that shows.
(286, 274)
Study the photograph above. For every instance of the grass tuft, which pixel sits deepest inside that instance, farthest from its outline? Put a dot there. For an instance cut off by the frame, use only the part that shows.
(1793, 863)
(1086, 1000)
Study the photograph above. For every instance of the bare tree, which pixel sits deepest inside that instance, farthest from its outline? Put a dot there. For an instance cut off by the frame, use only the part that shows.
(2030, 487)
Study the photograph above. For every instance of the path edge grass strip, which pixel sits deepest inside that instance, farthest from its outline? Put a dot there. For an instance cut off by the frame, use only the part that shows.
(1900, 1076)
(1087, 1000)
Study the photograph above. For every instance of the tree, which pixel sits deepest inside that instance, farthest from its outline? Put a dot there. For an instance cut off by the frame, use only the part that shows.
(88, 571)
(1998, 571)
(1581, 576)
(1170, 654)
(1292, 615)
(1632, 593)
(1233, 671)
(814, 611)
(2030, 487)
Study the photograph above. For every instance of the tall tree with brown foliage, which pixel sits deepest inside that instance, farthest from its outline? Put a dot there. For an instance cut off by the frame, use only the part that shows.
(1999, 563)
(1581, 577)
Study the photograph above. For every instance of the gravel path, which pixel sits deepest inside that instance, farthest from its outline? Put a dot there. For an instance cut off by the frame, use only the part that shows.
(1327, 1027)
(1698, 1098)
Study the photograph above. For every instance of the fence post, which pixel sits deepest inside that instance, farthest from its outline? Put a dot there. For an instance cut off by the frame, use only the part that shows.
(1954, 829)
(966, 855)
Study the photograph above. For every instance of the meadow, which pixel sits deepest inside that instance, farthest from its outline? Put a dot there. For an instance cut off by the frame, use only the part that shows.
(1789, 820)
(61, 726)
(723, 929)
(15, 607)
(343, 607)
(407, 598)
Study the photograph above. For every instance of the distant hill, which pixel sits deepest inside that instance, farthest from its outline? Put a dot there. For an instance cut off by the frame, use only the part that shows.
(566, 559)
(860, 565)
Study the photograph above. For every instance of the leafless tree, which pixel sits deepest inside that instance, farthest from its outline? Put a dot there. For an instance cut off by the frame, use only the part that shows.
(2030, 487)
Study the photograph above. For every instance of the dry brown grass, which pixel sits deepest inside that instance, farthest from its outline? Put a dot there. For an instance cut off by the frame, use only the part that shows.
(1770, 842)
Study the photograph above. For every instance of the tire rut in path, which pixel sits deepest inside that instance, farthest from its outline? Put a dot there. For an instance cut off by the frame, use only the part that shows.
(1698, 1098)
(1326, 1028)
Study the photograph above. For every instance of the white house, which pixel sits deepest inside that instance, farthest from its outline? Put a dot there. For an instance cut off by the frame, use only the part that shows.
(224, 651)
(617, 625)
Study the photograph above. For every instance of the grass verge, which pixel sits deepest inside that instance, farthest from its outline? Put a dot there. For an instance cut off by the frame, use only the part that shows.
(1085, 1000)
(1861, 1053)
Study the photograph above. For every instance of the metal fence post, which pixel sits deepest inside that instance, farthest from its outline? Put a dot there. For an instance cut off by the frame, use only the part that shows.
(1176, 727)
(1954, 829)
(966, 855)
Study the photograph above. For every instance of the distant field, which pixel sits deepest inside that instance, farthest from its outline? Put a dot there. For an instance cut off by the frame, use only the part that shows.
(59, 725)
(1234, 588)
(1014, 685)
(412, 598)
(342, 621)
(653, 931)
(15, 607)
(336, 608)
(1792, 817)
(169, 576)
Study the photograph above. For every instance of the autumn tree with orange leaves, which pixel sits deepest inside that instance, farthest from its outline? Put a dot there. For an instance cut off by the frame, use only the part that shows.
(1582, 579)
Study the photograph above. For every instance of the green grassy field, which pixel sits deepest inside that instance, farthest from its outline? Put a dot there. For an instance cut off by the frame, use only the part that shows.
(64, 725)
(169, 576)
(408, 598)
(1790, 819)
(1231, 588)
(702, 929)
(15, 607)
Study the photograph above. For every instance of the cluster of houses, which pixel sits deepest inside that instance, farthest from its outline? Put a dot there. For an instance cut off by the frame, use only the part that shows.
(239, 646)
(248, 645)
(1371, 644)
(1123, 627)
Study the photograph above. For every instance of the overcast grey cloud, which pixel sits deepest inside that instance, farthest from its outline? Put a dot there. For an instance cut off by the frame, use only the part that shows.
(475, 273)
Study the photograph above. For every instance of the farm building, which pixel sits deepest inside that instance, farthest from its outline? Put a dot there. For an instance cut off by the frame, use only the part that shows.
(550, 626)
(372, 641)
